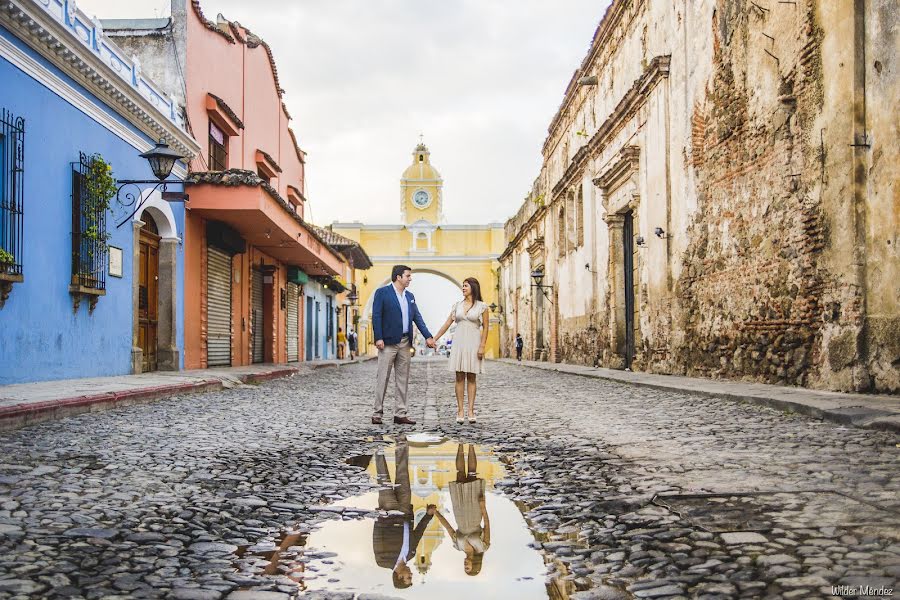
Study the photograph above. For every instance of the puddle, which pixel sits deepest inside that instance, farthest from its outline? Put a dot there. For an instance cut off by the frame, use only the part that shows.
(424, 535)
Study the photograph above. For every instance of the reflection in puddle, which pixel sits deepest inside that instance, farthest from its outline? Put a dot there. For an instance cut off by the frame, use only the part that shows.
(434, 528)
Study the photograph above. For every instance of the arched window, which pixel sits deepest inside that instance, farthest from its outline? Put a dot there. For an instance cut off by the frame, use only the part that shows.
(421, 241)
(561, 231)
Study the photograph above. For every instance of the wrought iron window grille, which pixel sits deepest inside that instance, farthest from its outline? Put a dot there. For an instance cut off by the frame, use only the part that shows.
(12, 172)
(90, 259)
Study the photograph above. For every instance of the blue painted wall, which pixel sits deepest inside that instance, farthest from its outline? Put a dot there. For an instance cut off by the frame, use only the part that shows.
(327, 347)
(40, 336)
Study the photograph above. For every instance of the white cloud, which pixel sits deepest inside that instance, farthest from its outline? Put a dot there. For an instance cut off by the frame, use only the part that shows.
(481, 79)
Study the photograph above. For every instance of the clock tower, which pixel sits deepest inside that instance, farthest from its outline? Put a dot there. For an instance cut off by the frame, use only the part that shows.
(420, 190)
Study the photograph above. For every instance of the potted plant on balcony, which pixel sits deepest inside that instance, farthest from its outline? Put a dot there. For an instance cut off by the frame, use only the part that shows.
(7, 262)
(99, 187)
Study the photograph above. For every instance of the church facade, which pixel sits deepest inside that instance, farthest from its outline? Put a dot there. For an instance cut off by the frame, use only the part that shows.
(423, 241)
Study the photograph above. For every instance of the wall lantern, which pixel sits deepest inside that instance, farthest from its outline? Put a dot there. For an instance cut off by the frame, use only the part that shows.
(495, 307)
(538, 276)
(660, 233)
(353, 297)
(162, 159)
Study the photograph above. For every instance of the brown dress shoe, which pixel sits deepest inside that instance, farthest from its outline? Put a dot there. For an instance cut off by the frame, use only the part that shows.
(376, 420)
(403, 421)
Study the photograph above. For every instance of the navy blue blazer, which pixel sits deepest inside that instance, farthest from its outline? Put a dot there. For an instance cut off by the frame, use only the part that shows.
(387, 320)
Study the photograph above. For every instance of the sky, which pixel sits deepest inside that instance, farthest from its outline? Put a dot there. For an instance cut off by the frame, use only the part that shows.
(479, 79)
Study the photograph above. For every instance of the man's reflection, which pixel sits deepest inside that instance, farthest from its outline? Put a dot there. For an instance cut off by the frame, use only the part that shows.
(469, 510)
(394, 539)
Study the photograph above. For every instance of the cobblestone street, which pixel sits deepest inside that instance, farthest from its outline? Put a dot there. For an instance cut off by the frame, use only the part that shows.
(631, 492)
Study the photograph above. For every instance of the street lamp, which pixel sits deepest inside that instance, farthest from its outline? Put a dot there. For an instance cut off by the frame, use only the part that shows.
(162, 159)
(538, 276)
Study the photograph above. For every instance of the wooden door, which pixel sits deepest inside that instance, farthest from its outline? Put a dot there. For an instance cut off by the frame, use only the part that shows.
(628, 251)
(148, 294)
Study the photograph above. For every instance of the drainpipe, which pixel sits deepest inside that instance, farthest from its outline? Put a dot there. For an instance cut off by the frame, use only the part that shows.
(861, 377)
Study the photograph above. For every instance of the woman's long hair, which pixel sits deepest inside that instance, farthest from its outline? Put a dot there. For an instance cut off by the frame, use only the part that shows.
(476, 288)
(477, 563)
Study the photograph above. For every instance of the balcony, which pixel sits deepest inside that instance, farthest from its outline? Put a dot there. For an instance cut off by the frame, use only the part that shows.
(264, 219)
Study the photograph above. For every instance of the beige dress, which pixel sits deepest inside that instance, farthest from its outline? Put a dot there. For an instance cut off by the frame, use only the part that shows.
(464, 496)
(467, 338)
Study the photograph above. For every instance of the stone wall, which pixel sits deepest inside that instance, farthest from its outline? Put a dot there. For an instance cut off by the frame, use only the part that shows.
(754, 146)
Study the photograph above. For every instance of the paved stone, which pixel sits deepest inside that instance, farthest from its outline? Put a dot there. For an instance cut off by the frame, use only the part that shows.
(743, 537)
(175, 487)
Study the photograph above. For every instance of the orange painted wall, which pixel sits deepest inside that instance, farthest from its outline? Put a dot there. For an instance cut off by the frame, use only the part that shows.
(243, 78)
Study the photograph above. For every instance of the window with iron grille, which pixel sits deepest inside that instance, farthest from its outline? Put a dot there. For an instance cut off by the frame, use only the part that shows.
(12, 170)
(89, 235)
(218, 148)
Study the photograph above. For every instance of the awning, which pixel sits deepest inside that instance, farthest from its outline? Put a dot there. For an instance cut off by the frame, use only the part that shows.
(238, 199)
(295, 275)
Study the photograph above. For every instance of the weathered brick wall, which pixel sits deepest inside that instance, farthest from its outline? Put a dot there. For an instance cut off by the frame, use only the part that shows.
(752, 281)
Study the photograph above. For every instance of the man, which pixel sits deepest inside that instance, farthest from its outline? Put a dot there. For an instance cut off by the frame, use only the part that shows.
(394, 311)
(520, 343)
(394, 539)
(351, 342)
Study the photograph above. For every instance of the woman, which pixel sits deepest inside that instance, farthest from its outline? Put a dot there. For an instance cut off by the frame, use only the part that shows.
(467, 498)
(467, 356)
(341, 343)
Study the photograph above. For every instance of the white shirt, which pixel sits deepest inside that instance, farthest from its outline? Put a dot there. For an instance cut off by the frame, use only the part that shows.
(404, 308)
(404, 551)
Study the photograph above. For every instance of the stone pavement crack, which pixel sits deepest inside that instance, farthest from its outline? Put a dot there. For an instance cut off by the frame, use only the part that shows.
(149, 501)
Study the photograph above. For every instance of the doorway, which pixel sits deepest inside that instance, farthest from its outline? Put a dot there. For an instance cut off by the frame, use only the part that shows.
(628, 268)
(308, 328)
(257, 316)
(148, 293)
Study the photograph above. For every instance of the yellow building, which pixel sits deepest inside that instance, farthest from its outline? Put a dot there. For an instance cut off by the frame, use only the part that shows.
(422, 241)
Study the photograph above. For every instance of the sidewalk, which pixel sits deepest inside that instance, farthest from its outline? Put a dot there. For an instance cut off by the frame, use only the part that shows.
(23, 404)
(860, 410)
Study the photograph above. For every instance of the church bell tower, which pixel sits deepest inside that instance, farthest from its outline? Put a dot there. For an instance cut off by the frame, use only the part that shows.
(420, 190)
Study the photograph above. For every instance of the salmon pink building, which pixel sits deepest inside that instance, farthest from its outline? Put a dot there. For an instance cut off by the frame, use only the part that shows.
(248, 250)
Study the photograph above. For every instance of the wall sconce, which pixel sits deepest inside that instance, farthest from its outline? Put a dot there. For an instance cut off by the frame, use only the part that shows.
(640, 241)
(495, 307)
(660, 233)
(538, 276)
(162, 159)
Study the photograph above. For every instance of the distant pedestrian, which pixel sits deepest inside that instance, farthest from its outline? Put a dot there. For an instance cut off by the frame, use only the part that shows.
(341, 343)
(520, 343)
(352, 343)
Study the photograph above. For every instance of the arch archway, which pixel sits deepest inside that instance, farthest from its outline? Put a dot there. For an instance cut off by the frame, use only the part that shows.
(452, 291)
(165, 262)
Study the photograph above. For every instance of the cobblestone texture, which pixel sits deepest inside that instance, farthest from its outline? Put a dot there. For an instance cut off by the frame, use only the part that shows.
(632, 492)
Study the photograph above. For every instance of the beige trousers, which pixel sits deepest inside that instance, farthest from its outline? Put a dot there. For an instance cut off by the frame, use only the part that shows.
(397, 357)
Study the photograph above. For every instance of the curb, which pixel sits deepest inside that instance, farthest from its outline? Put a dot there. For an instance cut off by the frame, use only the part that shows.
(854, 416)
(30, 413)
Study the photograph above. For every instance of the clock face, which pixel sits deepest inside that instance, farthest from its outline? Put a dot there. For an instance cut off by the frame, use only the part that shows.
(421, 198)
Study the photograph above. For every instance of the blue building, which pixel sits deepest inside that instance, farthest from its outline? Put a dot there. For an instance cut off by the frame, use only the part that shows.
(86, 287)
(321, 318)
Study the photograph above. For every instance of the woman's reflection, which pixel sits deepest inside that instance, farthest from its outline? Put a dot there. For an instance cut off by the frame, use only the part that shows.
(467, 497)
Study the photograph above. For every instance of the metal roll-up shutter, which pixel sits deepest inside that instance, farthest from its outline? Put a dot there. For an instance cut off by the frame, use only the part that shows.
(256, 308)
(292, 328)
(218, 295)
